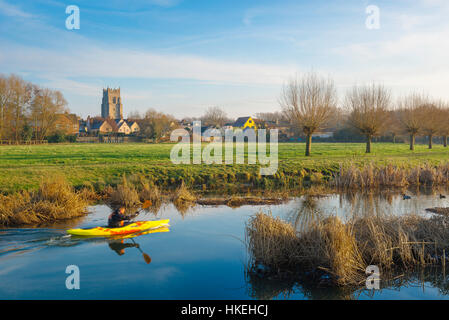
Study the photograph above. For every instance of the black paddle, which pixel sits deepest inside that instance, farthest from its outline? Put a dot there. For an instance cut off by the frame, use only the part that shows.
(146, 257)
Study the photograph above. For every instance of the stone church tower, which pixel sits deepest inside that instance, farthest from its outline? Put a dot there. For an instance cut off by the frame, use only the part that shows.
(111, 106)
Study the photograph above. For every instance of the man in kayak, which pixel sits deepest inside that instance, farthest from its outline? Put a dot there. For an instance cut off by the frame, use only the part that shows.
(118, 217)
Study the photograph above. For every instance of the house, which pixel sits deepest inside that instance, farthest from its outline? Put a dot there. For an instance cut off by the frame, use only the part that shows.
(122, 127)
(134, 126)
(244, 123)
(101, 126)
(67, 123)
(323, 135)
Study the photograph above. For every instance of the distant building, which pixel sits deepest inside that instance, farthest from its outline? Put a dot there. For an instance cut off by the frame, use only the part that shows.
(101, 126)
(67, 123)
(111, 105)
(244, 123)
(122, 126)
(323, 135)
(134, 126)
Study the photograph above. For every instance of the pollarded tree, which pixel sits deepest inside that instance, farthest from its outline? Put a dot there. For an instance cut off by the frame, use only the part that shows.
(445, 122)
(432, 121)
(410, 111)
(368, 107)
(309, 102)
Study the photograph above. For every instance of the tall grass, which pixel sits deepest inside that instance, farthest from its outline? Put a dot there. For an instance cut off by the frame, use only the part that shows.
(54, 200)
(125, 195)
(344, 250)
(183, 199)
(390, 175)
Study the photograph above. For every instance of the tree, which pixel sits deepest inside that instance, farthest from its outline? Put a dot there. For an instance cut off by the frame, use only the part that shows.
(5, 96)
(432, 121)
(156, 125)
(308, 102)
(410, 113)
(271, 116)
(45, 106)
(214, 116)
(20, 98)
(369, 110)
(445, 122)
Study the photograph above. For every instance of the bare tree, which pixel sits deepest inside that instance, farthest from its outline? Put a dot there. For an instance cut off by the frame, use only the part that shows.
(270, 116)
(19, 103)
(5, 96)
(157, 125)
(308, 102)
(410, 113)
(45, 106)
(445, 122)
(432, 121)
(369, 110)
(215, 116)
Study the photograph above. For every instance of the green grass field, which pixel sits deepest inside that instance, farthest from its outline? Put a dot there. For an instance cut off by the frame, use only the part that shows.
(22, 167)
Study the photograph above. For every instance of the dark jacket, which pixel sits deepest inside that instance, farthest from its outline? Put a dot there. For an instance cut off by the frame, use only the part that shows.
(116, 219)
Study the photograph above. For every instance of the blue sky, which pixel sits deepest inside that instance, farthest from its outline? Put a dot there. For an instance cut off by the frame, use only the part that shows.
(182, 56)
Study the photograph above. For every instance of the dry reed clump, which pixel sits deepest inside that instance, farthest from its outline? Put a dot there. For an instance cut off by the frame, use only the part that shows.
(183, 199)
(125, 195)
(372, 176)
(150, 191)
(344, 250)
(54, 200)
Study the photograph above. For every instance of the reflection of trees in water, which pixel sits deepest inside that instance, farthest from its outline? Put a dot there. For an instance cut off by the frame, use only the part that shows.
(266, 288)
(303, 213)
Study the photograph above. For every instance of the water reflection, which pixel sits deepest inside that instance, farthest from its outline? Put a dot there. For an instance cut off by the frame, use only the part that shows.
(415, 282)
(32, 240)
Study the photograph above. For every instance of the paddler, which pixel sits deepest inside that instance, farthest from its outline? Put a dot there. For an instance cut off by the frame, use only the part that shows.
(118, 217)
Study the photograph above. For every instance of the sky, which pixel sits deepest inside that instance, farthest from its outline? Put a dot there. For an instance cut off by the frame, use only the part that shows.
(183, 56)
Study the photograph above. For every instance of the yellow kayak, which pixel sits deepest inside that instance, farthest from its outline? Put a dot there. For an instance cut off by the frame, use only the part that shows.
(134, 227)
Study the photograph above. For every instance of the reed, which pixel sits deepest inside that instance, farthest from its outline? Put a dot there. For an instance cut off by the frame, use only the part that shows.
(183, 199)
(125, 195)
(375, 176)
(54, 200)
(344, 249)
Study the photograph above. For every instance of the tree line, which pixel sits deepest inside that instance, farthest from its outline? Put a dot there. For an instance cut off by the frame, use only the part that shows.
(27, 111)
(310, 102)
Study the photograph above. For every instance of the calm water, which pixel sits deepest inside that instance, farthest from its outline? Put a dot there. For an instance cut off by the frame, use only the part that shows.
(202, 256)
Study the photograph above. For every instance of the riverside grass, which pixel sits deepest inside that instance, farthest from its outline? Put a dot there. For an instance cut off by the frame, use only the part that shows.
(344, 249)
(100, 165)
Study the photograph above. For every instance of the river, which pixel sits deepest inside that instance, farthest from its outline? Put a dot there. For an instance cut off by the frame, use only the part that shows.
(203, 256)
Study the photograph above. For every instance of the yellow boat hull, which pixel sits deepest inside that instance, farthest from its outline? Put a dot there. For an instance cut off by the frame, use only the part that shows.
(135, 227)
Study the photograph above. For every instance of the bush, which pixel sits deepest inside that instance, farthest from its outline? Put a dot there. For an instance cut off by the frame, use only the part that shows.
(60, 137)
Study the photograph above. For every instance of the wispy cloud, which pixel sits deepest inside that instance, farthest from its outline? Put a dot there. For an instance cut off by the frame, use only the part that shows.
(12, 10)
(103, 62)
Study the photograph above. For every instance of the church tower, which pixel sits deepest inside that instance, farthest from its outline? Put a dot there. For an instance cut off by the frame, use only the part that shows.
(111, 105)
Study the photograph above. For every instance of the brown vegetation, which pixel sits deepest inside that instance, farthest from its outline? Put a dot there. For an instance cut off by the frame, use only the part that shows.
(344, 250)
(55, 200)
(374, 176)
(125, 195)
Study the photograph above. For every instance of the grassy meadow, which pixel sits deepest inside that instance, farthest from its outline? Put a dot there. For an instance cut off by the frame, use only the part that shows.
(98, 165)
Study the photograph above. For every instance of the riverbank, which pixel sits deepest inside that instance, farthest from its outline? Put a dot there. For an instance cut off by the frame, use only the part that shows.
(98, 166)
